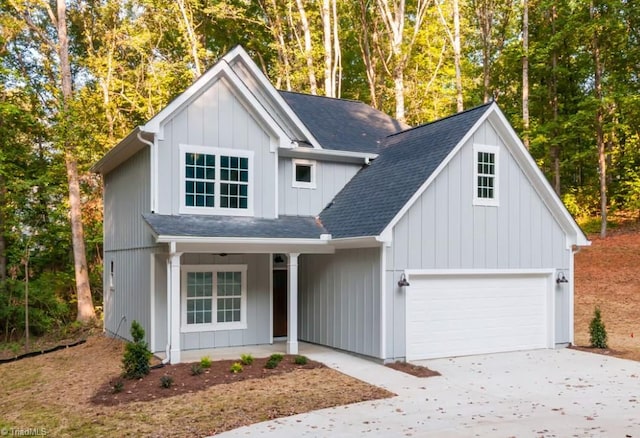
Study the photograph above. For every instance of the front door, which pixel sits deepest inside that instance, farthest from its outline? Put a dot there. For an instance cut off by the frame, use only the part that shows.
(279, 303)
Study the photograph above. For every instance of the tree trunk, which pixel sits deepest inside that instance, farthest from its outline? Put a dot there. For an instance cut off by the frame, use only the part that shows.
(191, 38)
(457, 56)
(308, 52)
(336, 73)
(367, 57)
(554, 107)
(86, 311)
(329, 89)
(525, 72)
(599, 125)
(3, 242)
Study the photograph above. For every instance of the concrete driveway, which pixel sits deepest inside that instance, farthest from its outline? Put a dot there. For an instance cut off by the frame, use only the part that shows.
(541, 393)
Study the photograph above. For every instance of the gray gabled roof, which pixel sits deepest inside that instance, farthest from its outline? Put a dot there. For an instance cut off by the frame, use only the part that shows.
(373, 197)
(284, 227)
(341, 124)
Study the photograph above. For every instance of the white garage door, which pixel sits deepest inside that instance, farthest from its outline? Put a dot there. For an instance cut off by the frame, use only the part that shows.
(457, 315)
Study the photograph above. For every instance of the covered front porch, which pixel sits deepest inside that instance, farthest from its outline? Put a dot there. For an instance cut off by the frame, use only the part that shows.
(213, 293)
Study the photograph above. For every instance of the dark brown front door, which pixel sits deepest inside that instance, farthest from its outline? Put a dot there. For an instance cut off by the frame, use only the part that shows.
(279, 303)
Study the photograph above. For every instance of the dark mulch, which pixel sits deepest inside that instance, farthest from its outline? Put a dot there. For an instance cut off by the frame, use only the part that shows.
(149, 388)
(414, 370)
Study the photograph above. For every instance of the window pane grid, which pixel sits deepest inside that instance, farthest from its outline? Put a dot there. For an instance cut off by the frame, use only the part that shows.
(486, 175)
(234, 188)
(199, 297)
(200, 180)
(229, 292)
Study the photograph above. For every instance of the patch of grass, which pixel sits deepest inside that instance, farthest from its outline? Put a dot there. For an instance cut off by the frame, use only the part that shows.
(246, 359)
(117, 386)
(236, 368)
(591, 225)
(205, 362)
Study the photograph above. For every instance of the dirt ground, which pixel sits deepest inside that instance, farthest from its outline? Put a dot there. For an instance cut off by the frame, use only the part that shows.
(56, 394)
(608, 276)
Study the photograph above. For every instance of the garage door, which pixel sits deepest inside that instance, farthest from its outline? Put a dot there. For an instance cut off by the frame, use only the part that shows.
(457, 315)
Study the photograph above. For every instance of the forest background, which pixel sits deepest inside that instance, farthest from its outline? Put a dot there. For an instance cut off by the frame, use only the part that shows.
(76, 76)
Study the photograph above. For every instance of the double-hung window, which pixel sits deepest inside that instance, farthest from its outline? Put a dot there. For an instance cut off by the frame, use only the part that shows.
(214, 297)
(485, 175)
(216, 181)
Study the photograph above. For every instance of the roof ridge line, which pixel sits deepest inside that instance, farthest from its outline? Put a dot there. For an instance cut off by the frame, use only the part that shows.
(441, 119)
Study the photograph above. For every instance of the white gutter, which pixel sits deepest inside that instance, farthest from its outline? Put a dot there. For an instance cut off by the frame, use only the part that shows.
(241, 240)
(327, 154)
(153, 152)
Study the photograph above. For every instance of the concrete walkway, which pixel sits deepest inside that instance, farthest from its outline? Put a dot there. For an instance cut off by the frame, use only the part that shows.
(542, 393)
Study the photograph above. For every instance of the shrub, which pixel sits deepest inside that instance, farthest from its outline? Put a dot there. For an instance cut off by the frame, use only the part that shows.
(196, 369)
(300, 360)
(236, 368)
(277, 357)
(597, 330)
(205, 362)
(246, 359)
(117, 387)
(166, 381)
(136, 354)
(271, 364)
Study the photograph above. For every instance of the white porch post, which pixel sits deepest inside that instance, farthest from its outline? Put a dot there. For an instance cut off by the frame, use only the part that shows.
(174, 306)
(292, 305)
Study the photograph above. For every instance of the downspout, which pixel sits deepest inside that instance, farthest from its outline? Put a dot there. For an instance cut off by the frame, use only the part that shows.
(153, 158)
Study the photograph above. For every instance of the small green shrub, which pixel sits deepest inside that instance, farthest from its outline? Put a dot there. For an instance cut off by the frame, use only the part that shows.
(597, 330)
(196, 369)
(136, 354)
(205, 362)
(271, 364)
(246, 359)
(300, 360)
(277, 357)
(166, 381)
(236, 368)
(117, 387)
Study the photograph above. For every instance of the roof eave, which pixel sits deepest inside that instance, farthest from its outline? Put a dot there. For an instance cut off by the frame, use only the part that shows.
(126, 148)
(327, 154)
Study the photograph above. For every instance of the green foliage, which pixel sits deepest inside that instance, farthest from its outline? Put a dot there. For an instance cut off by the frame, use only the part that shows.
(236, 368)
(274, 360)
(246, 359)
(196, 369)
(300, 360)
(597, 330)
(205, 362)
(136, 355)
(166, 381)
(117, 386)
(277, 357)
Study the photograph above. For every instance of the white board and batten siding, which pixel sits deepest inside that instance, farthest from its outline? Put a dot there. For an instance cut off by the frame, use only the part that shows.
(339, 300)
(258, 303)
(217, 119)
(126, 292)
(444, 230)
(331, 177)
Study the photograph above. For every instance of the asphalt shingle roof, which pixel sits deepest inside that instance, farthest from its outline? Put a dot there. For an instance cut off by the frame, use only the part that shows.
(284, 227)
(341, 124)
(366, 205)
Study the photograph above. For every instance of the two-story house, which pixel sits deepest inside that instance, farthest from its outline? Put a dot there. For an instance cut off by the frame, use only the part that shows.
(240, 214)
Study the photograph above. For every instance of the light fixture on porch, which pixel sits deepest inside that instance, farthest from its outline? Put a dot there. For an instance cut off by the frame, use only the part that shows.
(561, 278)
(278, 258)
(403, 281)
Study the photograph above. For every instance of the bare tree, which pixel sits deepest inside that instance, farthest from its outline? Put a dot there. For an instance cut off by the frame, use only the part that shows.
(525, 71)
(454, 38)
(308, 47)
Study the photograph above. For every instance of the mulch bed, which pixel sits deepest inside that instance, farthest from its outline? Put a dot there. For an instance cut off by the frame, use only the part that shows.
(603, 351)
(149, 387)
(414, 370)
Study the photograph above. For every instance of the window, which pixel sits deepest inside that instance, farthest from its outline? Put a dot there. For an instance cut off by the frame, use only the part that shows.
(485, 175)
(304, 174)
(214, 297)
(216, 181)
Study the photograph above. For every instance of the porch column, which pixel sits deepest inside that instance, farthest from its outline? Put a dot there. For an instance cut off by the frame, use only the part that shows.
(174, 306)
(292, 305)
